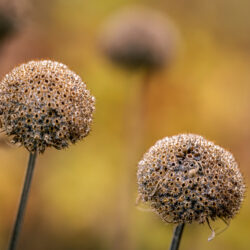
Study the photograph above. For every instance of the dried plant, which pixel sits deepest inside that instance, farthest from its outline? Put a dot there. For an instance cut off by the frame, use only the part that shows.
(139, 40)
(43, 104)
(187, 179)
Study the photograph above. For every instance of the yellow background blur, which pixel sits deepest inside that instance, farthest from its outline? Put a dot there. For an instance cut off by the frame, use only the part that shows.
(83, 197)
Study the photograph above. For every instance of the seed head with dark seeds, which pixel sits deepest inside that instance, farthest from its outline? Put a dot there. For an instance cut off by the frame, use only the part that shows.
(186, 178)
(44, 104)
(138, 38)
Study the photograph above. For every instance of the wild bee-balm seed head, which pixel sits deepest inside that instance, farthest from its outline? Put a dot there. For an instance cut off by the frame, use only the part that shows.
(139, 38)
(186, 178)
(45, 104)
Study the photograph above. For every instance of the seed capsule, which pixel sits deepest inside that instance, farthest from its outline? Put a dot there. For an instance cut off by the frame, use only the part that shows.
(200, 181)
(138, 38)
(43, 104)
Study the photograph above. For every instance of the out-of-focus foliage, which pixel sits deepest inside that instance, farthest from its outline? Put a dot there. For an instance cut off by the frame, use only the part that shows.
(78, 194)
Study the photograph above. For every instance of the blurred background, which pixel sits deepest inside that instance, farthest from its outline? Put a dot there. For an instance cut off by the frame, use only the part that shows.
(84, 197)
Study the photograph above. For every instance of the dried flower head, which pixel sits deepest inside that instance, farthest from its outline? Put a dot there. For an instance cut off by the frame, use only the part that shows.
(45, 104)
(139, 38)
(186, 178)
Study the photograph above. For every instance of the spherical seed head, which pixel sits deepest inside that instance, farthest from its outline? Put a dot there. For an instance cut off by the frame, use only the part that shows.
(44, 104)
(139, 38)
(186, 178)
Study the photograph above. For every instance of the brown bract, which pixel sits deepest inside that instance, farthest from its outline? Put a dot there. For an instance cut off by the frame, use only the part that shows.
(44, 104)
(139, 38)
(186, 178)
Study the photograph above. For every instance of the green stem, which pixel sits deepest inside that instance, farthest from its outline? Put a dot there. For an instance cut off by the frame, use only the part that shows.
(23, 202)
(177, 237)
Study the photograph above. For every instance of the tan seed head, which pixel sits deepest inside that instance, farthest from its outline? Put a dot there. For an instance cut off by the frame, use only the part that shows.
(45, 104)
(186, 178)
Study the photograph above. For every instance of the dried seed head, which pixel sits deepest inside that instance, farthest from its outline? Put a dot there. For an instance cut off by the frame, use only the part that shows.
(44, 104)
(139, 38)
(186, 178)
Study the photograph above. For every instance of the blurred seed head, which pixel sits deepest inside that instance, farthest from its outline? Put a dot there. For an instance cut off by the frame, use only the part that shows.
(7, 25)
(45, 104)
(16, 15)
(186, 178)
(139, 38)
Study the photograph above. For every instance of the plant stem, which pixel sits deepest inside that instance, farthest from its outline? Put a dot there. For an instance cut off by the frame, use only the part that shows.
(23, 202)
(177, 237)
(134, 135)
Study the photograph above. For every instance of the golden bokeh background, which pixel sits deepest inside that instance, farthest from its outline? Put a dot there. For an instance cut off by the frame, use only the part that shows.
(84, 197)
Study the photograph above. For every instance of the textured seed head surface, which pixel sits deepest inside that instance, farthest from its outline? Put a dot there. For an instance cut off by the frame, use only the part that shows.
(45, 104)
(139, 38)
(186, 178)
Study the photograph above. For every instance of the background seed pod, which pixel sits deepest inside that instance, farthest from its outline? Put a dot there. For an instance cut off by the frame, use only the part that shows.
(44, 104)
(7, 26)
(139, 38)
(186, 178)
